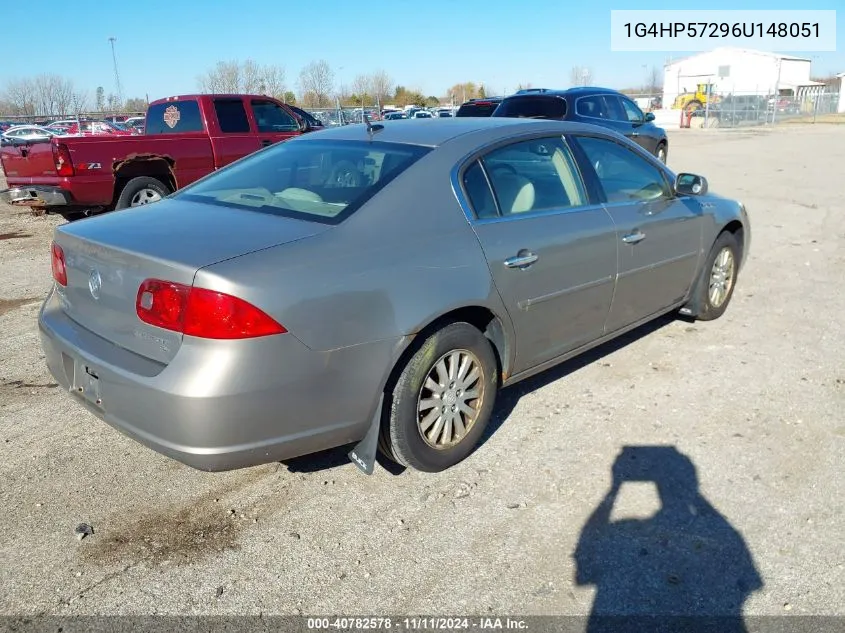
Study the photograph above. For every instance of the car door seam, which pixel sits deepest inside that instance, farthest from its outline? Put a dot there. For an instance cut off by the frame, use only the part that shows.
(527, 303)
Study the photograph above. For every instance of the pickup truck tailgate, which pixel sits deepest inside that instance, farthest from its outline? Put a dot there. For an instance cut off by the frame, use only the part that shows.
(28, 162)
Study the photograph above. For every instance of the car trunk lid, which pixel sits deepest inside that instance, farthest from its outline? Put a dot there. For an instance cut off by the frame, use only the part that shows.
(108, 257)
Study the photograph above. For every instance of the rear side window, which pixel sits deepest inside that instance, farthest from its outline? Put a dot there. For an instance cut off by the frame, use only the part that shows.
(316, 180)
(174, 117)
(478, 192)
(533, 107)
(231, 115)
(594, 107)
(477, 109)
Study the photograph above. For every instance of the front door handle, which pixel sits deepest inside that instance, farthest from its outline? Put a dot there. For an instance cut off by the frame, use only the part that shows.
(522, 260)
(634, 238)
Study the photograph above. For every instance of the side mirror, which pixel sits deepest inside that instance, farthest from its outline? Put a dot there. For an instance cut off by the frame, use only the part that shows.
(649, 117)
(303, 125)
(690, 185)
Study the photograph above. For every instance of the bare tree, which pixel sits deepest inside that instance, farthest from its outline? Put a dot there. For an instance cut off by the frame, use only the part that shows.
(250, 77)
(225, 77)
(381, 86)
(317, 79)
(273, 78)
(20, 93)
(243, 77)
(581, 76)
(78, 102)
(655, 80)
(361, 86)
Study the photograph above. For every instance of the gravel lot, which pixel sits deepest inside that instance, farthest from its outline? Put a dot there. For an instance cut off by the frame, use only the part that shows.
(754, 400)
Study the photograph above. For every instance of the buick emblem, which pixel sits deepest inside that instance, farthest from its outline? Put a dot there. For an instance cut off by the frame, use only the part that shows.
(95, 283)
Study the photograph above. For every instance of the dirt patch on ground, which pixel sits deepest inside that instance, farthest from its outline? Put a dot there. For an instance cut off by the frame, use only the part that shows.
(178, 534)
(7, 305)
(17, 235)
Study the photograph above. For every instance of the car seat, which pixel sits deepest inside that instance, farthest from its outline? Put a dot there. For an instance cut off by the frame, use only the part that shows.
(516, 193)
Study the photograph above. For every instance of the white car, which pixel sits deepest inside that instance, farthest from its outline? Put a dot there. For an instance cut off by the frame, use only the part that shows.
(422, 114)
(26, 132)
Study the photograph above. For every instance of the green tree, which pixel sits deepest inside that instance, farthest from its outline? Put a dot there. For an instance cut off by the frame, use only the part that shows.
(289, 97)
(432, 102)
(100, 104)
(136, 104)
(481, 92)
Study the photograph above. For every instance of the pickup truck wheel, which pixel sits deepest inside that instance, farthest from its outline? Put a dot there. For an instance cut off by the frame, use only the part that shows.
(141, 190)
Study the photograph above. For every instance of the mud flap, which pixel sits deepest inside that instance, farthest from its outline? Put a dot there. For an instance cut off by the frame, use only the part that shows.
(364, 453)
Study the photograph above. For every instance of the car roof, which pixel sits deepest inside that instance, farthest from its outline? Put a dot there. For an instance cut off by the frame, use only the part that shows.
(442, 130)
(481, 100)
(577, 91)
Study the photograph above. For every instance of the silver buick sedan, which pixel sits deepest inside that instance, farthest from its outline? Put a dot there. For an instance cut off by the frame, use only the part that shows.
(374, 285)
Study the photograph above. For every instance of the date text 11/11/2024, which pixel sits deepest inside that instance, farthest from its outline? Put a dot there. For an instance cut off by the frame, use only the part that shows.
(722, 29)
(415, 624)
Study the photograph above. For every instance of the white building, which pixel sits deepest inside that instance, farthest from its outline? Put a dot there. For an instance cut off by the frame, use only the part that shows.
(739, 71)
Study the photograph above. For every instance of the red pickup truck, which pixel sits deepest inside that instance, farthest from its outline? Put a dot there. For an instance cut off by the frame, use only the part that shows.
(185, 138)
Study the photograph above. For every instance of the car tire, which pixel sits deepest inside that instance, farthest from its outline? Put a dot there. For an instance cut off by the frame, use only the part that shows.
(425, 437)
(716, 284)
(140, 191)
(662, 152)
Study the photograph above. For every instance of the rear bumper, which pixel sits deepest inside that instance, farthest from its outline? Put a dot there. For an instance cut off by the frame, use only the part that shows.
(223, 405)
(36, 196)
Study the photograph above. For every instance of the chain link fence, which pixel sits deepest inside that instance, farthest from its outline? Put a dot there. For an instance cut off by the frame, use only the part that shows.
(743, 109)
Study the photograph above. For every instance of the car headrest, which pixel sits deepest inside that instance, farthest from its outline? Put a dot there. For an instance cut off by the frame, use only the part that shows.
(516, 193)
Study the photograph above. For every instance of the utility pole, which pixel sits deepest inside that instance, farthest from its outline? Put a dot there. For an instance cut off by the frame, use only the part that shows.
(119, 95)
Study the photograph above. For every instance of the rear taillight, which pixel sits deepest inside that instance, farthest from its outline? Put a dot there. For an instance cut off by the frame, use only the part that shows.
(61, 156)
(57, 258)
(201, 312)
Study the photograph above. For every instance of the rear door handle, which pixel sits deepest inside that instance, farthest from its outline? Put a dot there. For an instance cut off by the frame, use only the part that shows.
(266, 142)
(634, 238)
(521, 260)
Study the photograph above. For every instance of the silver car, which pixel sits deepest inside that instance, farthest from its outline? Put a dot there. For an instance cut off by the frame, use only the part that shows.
(376, 284)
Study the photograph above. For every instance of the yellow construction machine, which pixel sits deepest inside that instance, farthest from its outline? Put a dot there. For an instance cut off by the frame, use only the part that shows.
(691, 101)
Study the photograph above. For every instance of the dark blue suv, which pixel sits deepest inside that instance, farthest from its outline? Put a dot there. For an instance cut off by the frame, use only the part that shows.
(599, 106)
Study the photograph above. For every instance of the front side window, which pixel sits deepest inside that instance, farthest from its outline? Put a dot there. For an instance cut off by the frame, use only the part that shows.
(321, 181)
(632, 112)
(624, 176)
(534, 176)
(271, 117)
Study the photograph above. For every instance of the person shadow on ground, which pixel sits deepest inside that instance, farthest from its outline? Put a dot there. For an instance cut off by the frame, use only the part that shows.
(683, 570)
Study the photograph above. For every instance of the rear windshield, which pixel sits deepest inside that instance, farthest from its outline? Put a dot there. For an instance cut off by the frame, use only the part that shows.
(174, 117)
(533, 107)
(482, 108)
(316, 180)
